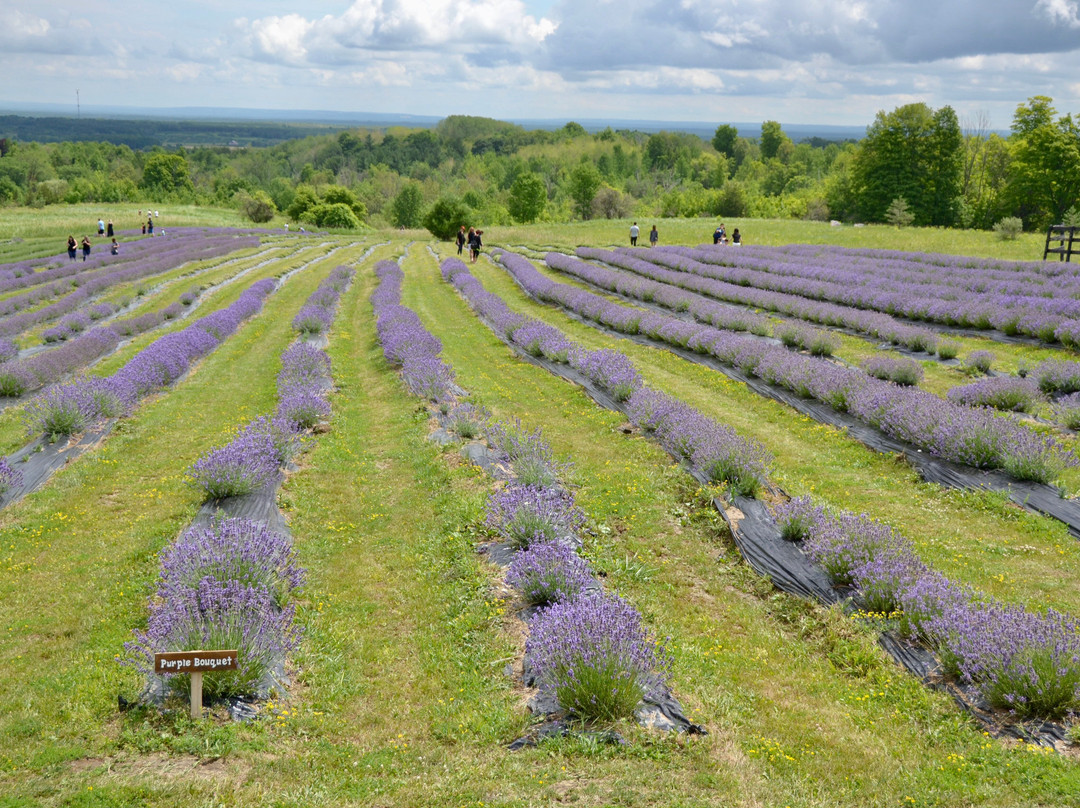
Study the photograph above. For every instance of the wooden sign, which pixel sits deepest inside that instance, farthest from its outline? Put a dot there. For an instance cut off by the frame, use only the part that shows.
(195, 663)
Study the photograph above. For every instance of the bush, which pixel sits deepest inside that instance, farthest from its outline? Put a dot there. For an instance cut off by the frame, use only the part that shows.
(529, 514)
(898, 214)
(549, 573)
(593, 655)
(337, 215)
(446, 216)
(259, 208)
(1009, 228)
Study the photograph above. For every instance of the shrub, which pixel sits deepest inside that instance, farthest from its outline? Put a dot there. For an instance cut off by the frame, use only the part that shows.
(594, 656)
(241, 467)
(898, 214)
(549, 572)
(527, 514)
(445, 217)
(978, 362)
(1009, 228)
(900, 370)
(302, 408)
(1006, 393)
(9, 477)
(797, 518)
(947, 349)
(1067, 410)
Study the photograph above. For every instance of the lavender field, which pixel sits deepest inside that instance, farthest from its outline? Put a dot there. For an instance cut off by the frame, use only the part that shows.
(688, 525)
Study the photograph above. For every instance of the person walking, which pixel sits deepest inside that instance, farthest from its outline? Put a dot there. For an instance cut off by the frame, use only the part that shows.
(101, 227)
(109, 232)
(475, 243)
(114, 248)
(150, 225)
(634, 231)
(460, 239)
(85, 247)
(653, 236)
(73, 248)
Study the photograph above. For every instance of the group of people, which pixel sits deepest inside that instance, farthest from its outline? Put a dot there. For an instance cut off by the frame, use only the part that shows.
(719, 235)
(635, 231)
(73, 247)
(105, 229)
(473, 239)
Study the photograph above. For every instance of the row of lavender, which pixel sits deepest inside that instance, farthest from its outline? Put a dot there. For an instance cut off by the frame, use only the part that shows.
(21, 376)
(1026, 662)
(588, 650)
(69, 408)
(711, 448)
(1022, 661)
(891, 268)
(1046, 316)
(194, 247)
(231, 584)
(975, 437)
(252, 460)
(682, 276)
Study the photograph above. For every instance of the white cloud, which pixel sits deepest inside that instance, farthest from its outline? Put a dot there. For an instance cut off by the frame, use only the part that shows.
(1064, 12)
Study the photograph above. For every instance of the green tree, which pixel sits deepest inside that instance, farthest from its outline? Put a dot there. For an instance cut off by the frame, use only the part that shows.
(340, 195)
(772, 137)
(258, 207)
(898, 214)
(336, 214)
(1044, 177)
(303, 200)
(407, 209)
(584, 182)
(167, 175)
(914, 153)
(445, 217)
(528, 196)
(724, 139)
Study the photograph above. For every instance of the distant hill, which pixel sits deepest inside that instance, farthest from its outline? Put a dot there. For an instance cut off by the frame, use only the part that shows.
(142, 128)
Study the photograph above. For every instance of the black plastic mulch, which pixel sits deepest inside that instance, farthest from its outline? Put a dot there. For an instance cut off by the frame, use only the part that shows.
(41, 458)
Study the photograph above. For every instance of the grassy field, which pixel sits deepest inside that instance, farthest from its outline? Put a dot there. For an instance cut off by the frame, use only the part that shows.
(400, 696)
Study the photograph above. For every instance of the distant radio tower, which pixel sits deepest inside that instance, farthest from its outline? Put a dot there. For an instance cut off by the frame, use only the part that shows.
(78, 108)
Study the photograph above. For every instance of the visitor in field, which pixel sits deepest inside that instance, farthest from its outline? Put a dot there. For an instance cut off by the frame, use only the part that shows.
(634, 231)
(718, 235)
(460, 239)
(736, 237)
(475, 243)
(101, 227)
(653, 236)
(73, 248)
(114, 248)
(150, 226)
(85, 247)
(109, 232)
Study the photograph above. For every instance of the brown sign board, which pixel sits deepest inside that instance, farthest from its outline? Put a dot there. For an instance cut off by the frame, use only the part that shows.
(194, 661)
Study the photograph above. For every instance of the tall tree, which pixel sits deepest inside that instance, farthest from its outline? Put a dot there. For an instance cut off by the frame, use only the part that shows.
(585, 181)
(528, 195)
(914, 153)
(1044, 178)
(772, 137)
(167, 174)
(724, 139)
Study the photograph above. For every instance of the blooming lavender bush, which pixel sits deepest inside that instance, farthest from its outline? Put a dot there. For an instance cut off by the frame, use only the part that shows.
(798, 517)
(217, 614)
(1066, 410)
(593, 655)
(312, 319)
(529, 514)
(549, 572)
(468, 420)
(302, 408)
(246, 464)
(232, 550)
(978, 362)
(899, 370)
(9, 477)
(528, 453)
(61, 411)
(610, 370)
(1007, 393)
(946, 349)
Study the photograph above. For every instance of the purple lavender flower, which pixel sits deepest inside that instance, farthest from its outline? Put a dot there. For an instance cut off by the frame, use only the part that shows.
(593, 655)
(217, 614)
(302, 408)
(528, 514)
(798, 517)
(232, 550)
(243, 466)
(898, 370)
(549, 572)
(9, 477)
(1007, 393)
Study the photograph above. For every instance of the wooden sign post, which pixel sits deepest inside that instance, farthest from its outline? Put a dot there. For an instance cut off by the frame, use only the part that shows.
(195, 663)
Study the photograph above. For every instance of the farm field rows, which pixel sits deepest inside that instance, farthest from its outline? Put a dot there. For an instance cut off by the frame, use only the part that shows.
(399, 694)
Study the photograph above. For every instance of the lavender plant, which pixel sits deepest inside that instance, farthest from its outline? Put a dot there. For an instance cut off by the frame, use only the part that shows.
(594, 656)
(549, 572)
(9, 477)
(246, 464)
(798, 517)
(899, 370)
(528, 514)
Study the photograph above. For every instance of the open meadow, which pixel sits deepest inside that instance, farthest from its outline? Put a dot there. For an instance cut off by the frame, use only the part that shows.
(403, 686)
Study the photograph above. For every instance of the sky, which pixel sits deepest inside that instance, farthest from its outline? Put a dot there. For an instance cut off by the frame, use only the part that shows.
(830, 62)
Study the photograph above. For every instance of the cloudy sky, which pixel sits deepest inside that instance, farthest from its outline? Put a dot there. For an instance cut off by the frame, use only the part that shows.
(796, 61)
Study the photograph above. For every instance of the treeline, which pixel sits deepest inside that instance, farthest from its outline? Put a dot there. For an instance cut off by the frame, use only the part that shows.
(915, 165)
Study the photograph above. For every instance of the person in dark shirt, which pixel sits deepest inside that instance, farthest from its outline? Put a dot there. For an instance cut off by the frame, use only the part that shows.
(85, 247)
